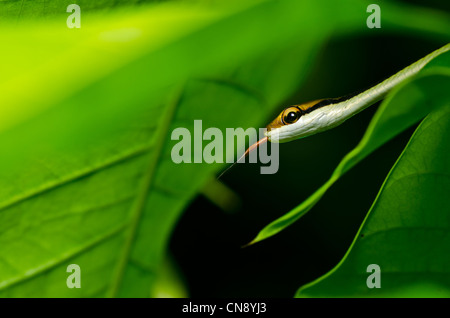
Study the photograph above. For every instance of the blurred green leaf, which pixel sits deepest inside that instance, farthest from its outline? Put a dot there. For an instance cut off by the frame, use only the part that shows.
(86, 174)
(169, 283)
(400, 110)
(407, 229)
(18, 10)
(221, 195)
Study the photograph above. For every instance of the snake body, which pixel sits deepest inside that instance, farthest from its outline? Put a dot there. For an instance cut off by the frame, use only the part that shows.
(303, 120)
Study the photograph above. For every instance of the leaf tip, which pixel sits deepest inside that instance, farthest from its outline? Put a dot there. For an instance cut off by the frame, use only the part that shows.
(252, 242)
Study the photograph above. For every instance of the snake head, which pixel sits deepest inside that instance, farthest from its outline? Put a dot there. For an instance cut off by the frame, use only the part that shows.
(287, 125)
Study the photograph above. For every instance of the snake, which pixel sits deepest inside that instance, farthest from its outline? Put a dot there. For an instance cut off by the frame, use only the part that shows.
(303, 120)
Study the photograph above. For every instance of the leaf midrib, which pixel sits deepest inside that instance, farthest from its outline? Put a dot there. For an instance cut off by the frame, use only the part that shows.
(146, 183)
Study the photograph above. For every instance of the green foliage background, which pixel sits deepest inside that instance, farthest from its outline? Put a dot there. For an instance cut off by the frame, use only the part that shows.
(86, 176)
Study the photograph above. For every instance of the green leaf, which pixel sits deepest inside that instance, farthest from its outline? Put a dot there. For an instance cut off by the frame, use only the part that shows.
(406, 232)
(169, 283)
(400, 110)
(18, 10)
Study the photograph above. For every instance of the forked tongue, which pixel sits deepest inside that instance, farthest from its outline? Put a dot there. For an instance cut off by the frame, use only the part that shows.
(246, 153)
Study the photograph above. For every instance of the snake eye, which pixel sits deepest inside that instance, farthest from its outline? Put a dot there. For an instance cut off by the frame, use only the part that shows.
(291, 115)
